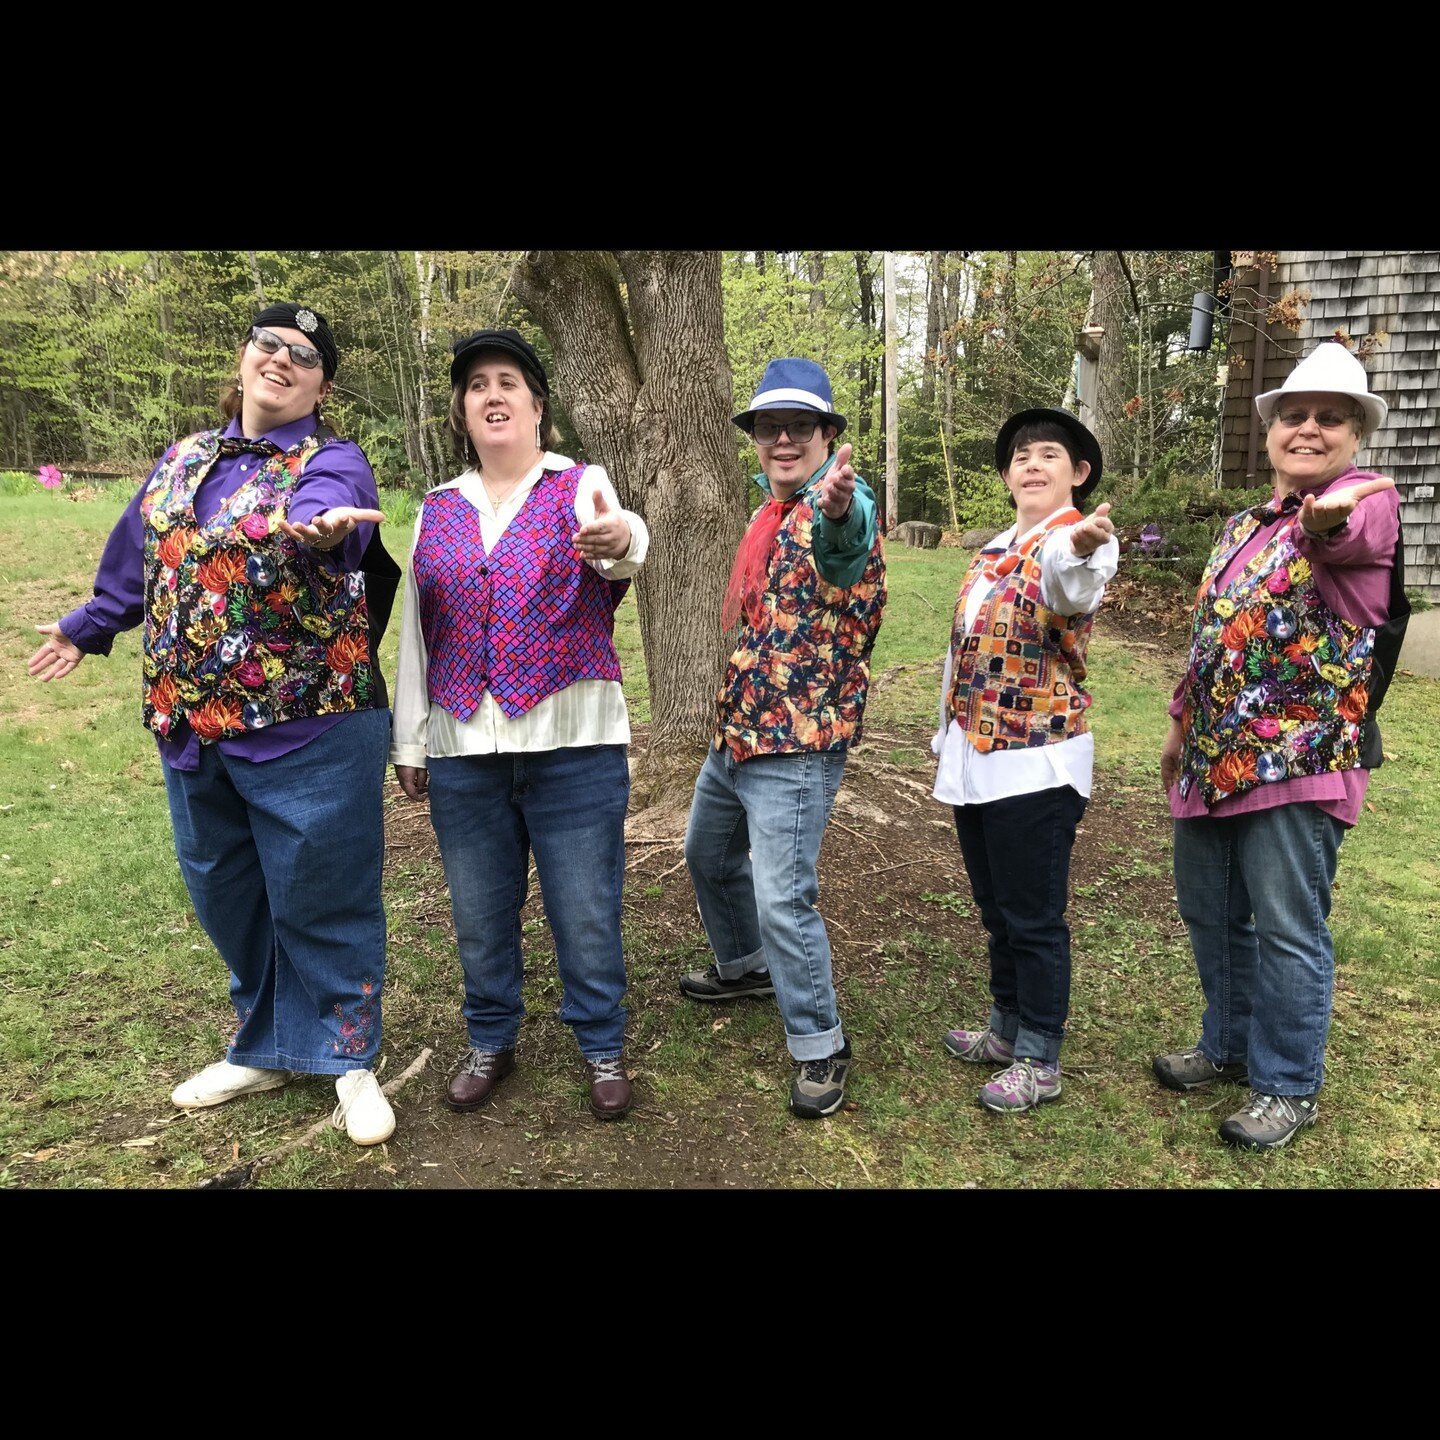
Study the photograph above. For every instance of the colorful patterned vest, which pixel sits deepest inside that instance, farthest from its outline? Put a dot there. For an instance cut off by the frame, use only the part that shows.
(1016, 680)
(1277, 681)
(243, 627)
(524, 621)
(798, 680)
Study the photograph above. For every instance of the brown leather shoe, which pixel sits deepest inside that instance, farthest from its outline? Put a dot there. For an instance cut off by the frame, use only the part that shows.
(472, 1084)
(610, 1096)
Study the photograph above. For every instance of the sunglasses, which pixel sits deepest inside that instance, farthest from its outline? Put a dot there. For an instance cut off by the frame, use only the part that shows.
(1325, 419)
(801, 432)
(305, 356)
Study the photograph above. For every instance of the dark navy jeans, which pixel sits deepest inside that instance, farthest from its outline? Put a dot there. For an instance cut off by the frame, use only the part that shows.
(1017, 854)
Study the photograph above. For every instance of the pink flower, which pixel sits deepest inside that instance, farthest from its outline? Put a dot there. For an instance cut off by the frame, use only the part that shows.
(1266, 728)
(1279, 582)
(257, 527)
(50, 477)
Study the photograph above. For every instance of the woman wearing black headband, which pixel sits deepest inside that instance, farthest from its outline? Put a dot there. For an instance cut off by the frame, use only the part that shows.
(509, 712)
(244, 556)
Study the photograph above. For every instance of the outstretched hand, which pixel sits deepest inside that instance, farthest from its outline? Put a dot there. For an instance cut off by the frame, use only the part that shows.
(56, 658)
(1319, 513)
(607, 536)
(327, 531)
(837, 486)
(1092, 532)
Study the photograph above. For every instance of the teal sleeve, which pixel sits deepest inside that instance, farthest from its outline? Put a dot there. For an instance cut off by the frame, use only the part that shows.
(842, 547)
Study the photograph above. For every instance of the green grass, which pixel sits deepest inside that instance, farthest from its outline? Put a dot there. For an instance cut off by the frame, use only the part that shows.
(110, 992)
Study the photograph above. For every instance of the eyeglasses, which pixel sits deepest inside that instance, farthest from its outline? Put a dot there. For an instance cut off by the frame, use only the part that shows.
(306, 356)
(801, 432)
(1325, 419)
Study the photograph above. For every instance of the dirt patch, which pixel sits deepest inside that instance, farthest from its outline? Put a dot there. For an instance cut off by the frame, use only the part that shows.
(891, 881)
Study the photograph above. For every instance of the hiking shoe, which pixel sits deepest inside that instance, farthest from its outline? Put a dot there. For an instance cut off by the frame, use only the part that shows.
(1191, 1069)
(819, 1085)
(475, 1081)
(363, 1113)
(710, 985)
(984, 1047)
(610, 1093)
(1268, 1121)
(222, 1081)
(1026, 1084)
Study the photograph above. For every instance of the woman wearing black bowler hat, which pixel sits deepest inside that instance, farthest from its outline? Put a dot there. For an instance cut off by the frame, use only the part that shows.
(509, 712)
(246, 554)
(1014, 749)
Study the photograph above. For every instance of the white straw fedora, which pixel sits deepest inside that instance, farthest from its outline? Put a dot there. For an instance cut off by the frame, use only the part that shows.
(1329, 369)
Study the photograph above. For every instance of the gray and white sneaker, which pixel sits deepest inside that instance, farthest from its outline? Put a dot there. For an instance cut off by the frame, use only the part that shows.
(1268, 1121)
(818, 1088)
(711, 985)
(1191, 1069)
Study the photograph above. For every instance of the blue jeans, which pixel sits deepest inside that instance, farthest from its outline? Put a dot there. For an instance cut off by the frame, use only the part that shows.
(568, 805)
(1254, 891)
(1017, 855)
(282, 860)
(752, 846)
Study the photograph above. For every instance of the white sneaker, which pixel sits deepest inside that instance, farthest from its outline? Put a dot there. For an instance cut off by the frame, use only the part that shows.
(220, 1082)
(363, 1112)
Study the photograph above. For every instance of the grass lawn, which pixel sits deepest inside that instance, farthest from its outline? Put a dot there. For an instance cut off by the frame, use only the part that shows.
(110, 993)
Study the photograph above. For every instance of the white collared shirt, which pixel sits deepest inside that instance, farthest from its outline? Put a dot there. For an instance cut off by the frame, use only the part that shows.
(1070, 584)
(589, 712)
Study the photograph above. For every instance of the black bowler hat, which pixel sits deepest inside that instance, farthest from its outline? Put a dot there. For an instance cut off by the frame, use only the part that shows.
(512, 342)
(1085, 442)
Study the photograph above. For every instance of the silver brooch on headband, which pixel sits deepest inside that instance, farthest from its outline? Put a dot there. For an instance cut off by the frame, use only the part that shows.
(306, 320)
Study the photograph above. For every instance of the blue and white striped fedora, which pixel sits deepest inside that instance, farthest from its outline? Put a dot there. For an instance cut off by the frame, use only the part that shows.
(792, 384)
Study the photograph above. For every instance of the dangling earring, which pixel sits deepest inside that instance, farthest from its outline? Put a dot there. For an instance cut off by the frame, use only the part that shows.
(469, 449)
(538, 444)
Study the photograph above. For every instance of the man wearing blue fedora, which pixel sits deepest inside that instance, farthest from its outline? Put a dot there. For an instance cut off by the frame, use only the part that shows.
(807, 588)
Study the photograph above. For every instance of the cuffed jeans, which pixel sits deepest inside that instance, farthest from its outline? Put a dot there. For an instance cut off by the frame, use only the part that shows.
(752, 846)
(282, 861)
(1017, 855)
(1254, 891)
(568, 806)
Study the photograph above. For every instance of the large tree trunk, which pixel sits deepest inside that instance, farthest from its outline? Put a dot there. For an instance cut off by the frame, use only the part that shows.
(1114, 382)
(645, 379)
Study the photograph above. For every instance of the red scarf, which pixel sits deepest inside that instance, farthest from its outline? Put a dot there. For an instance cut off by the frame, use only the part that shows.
(751, 570)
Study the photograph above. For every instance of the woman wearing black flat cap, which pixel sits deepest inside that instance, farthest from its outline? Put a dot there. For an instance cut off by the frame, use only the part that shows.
(245, 554)
(1015, 753)
(509, 712)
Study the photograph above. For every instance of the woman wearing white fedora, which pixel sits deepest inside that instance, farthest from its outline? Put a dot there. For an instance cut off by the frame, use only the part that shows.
(1271, 742)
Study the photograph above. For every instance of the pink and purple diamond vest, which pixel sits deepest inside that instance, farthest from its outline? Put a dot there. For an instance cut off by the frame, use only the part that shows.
(523, 621)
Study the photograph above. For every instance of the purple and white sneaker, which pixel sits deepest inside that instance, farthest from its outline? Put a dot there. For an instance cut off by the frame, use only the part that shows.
(984, 1047)
(1026, 1084)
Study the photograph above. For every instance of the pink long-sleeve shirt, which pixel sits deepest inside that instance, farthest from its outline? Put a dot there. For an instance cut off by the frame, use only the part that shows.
(1352, 574)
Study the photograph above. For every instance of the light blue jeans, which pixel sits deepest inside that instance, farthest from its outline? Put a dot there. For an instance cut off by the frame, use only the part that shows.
(752, 846)
(1254, 891)
(282, 860)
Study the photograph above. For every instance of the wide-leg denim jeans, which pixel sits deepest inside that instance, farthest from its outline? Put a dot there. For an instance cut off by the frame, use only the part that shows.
(1254, 891)
(568, 806)
(282, 861)
(752, 846)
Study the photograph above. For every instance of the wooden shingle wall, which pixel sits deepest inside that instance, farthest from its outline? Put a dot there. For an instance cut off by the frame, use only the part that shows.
(1364, 291)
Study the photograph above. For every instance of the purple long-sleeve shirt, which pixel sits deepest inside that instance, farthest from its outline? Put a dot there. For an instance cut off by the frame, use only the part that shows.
(1352, 574)
(339, 474)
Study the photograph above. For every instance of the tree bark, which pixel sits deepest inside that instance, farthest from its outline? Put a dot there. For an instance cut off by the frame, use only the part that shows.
(645, 379)
(1113, 386)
